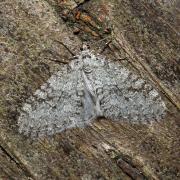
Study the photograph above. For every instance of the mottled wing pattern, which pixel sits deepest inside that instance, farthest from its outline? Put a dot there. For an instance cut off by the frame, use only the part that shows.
(123, 95)
(90, 87)
(54, 107)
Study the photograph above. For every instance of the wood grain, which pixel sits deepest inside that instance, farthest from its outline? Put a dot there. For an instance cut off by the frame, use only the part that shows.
(36, 36)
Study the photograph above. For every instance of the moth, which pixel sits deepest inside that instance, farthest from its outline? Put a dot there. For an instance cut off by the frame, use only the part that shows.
(87, 88)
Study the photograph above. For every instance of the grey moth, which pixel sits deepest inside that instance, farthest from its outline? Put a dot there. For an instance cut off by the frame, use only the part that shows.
(87, 88)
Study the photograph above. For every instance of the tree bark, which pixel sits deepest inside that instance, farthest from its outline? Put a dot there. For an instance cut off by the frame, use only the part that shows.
(38, 36)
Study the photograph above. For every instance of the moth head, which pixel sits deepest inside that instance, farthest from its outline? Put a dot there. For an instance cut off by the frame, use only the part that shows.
(76, 64)
(91, 61)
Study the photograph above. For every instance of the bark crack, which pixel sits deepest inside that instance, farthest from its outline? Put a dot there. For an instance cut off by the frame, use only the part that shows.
(19, 165)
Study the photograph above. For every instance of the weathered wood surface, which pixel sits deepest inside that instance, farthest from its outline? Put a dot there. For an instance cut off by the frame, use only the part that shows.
(36, 35)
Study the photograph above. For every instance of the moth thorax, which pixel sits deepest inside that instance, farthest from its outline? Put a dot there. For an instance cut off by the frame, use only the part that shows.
(87, 69)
